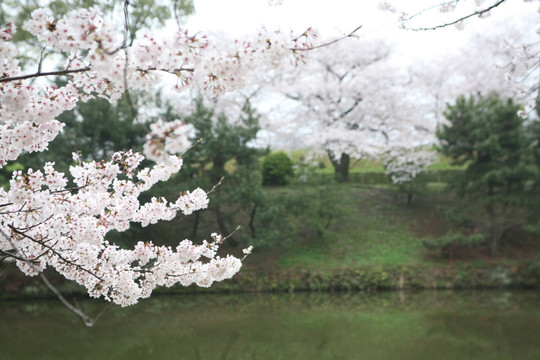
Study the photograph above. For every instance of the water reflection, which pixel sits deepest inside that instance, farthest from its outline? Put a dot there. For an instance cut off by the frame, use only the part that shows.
(393, 325)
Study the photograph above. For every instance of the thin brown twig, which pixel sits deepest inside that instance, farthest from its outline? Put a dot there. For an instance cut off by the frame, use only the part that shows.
(216, 186)
(192, 146)
(48, 73)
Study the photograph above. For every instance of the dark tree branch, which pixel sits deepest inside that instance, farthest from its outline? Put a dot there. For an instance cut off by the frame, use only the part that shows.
(88, 321)
(458, 20)
(49, 73)
(176, 17)
(7, 254)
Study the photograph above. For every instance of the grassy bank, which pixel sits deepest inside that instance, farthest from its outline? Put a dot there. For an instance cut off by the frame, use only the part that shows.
(375, 242)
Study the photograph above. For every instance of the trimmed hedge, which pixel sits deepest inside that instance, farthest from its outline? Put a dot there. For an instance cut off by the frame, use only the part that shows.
(380, 178)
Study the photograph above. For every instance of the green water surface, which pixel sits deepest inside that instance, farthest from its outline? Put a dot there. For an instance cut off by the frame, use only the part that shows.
(371, 326)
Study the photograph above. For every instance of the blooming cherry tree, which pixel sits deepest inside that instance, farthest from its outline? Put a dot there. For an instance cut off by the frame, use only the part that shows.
(502, 58)
(46, 223)
(404, 164)
(355, 101)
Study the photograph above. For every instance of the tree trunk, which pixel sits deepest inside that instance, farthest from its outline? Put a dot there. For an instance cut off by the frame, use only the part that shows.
(494, 230)
(409, 198)
(252, 220)
(341, 166)
(410, 192)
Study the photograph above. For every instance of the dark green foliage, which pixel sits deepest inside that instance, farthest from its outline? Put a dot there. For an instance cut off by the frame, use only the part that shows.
(450, 241)
(298, 215)
(6, 172)
(302, 213)
(224, 156)
(277, 167)
(486, 135)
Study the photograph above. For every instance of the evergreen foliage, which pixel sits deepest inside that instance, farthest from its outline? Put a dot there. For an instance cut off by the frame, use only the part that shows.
(487, 136)
(276, 169)
(224, 156)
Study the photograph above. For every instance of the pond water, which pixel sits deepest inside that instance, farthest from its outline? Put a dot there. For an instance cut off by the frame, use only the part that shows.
(372, 326)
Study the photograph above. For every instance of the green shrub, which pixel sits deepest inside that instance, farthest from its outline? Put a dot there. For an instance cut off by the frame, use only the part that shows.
(277, 167)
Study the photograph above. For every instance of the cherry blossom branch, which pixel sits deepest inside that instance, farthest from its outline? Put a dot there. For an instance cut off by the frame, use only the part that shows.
(73, 241)
(88, 321)
(34, 225)
(84, 69)
(14, 211)
(51, 249)
(349, 35)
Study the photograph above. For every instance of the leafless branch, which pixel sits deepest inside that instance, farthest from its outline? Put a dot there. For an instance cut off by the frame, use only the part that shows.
(192, 146)
(41, 59)
(351, 34)
(216, 186)
(87, 320)
(460, 19)
(176, 17)
(126, 30)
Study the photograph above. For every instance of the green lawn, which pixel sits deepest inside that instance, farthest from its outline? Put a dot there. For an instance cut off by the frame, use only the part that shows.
(376, 230)
(363, 165)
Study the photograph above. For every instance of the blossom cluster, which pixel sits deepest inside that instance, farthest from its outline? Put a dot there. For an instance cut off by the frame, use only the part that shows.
(167, 138)
(53, 226)
(45, 223)
(404, 164)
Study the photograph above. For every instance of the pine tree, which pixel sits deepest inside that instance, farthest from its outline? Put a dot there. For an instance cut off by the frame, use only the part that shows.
(225, 152)
(487, 136)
